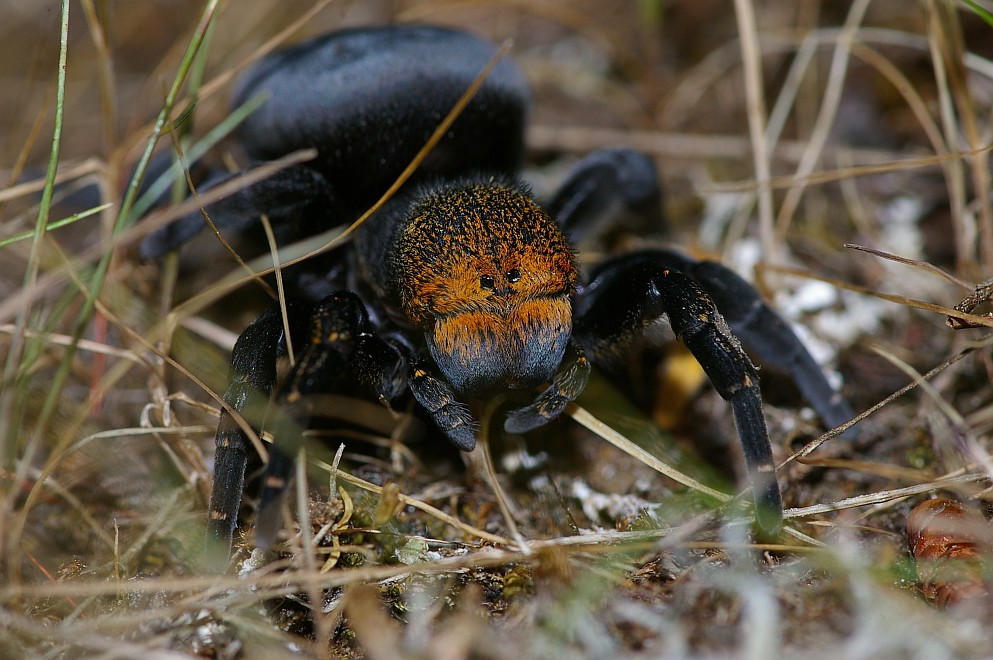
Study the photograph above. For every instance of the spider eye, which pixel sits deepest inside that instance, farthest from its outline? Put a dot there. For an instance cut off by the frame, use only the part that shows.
(486, 282)
(514, 275)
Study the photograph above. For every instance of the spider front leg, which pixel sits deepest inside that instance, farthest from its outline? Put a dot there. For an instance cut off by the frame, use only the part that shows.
(623, 183)
(252, 379)
(441, 402)
(764, 332)
(568, 384)
(627, 297)
(338, 353)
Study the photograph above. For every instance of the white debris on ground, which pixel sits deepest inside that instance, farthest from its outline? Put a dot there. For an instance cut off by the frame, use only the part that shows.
(828, 319)
(611, 505)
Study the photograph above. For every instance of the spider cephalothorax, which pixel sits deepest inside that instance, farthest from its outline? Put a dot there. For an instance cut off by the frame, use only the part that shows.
(486, 274)
(473, 285)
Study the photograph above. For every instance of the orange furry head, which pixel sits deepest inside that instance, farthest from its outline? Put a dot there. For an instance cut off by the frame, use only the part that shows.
(489, 277)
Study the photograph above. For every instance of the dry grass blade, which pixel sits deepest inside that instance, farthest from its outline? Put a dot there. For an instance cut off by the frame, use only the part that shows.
(949, 40)
(84, 344)
(826, 116)
(964, 440)
(751, 56)
(885, 470)
(852, 172)
(679, 146)
(280, 289)
(323, 624)
(587, 420)
(483, 460)
(916, 263)
(901, 300)
(807, 449)
(409, 501)
(26, 297)
(882, 496)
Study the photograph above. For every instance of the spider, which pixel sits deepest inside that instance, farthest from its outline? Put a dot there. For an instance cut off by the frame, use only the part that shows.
(461, 286)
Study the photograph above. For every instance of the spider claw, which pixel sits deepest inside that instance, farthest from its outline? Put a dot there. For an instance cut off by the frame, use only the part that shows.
(567, 385)
(526, 419)
(462, 436)
(448, 413)
(768, 511)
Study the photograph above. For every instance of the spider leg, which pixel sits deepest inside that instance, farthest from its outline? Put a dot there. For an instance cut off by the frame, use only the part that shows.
(628, 297)
(622, 182)
(339, 351)
(607, 185)
(567, 385)
(293, 199)
(764, 332)
(252, 379)
(441, 402)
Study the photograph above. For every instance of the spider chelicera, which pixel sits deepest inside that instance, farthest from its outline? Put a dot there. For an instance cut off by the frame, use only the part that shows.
(462, 286)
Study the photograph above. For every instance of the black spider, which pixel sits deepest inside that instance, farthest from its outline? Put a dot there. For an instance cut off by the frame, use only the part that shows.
(461, 286)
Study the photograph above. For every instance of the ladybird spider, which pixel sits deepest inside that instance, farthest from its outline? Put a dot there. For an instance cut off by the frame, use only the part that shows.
(461, 286)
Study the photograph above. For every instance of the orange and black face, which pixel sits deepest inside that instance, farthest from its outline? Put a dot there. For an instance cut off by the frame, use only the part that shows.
(489, 277)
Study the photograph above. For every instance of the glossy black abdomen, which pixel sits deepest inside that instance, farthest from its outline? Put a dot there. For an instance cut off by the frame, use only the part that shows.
(369, 98)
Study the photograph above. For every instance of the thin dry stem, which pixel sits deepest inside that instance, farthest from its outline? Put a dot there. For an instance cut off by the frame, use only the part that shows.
(752, 63)
(825, 118)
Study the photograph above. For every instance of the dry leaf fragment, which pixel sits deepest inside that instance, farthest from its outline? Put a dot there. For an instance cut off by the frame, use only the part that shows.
(947, 539)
